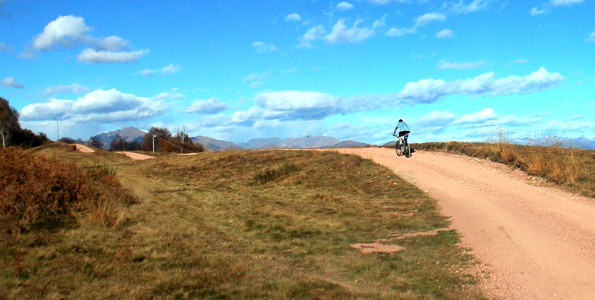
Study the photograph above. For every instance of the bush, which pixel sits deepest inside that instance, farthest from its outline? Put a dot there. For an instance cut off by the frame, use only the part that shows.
(41, 191)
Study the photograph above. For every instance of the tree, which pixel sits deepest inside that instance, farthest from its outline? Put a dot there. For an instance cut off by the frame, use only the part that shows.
(9, 121)
(118, 144)
(95, 142)
(160, 134)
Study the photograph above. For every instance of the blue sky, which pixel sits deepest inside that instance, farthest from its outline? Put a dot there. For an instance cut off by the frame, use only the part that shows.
(237, 70)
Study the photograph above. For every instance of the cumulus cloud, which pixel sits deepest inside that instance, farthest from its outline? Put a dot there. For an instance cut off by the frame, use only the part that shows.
(211, 106)
(444, 64)
(95, 56)
(431, 90)
(344, 6)
(262, 47)
(546, 7)
(445, 33)
(11, 82)
(169, 95)
(294, 17)
(70, 31)
(112, 43)
(96, 106)
(394, 32)
(473, 6)
(354, 34)
(74, 88)
(437, 118)
(167, 70)
(428, 18)
(313, 34)
(65, 31)
(478, 117)
(290, 105)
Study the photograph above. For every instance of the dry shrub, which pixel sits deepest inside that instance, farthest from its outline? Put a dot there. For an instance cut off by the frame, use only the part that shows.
(40, 192)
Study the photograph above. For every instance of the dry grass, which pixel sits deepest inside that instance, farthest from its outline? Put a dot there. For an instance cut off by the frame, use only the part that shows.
(569, 167)
(247, 224)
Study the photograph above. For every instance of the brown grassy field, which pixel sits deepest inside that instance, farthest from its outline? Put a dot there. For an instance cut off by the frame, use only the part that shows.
(570, 168)
(243, 224)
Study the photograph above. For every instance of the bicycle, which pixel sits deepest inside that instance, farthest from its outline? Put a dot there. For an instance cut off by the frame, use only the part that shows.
(403, 149)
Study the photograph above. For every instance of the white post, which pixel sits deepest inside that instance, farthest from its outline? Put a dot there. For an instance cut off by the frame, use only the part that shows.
(153, 143)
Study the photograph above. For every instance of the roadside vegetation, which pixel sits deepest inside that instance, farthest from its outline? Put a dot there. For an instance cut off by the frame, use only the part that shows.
(568, 167)
(236, 224)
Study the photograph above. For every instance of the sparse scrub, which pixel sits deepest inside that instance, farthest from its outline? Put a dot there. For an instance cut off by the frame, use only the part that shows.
(36, 192)
(268, 175)
(568, 167)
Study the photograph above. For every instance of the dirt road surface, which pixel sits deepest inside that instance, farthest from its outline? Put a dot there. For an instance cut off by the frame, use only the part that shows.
(536, 241)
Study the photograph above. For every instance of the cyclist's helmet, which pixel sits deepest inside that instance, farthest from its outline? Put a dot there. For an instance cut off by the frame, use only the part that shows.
(400, 120)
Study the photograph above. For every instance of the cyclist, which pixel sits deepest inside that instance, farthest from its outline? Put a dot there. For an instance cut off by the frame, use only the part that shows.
(403, 130)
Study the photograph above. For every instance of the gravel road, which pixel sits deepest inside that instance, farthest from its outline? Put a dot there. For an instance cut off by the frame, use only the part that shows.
(535, 241)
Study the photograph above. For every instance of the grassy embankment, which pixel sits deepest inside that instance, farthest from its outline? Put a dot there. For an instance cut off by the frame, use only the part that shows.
(240, 224)
(571, 168)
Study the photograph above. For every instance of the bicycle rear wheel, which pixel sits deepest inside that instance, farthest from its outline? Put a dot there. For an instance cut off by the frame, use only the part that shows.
(398, 149)
(407, 151)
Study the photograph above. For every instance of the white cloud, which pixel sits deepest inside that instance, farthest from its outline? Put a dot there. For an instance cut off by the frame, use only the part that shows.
(565, 2)
(313, 34)
(436, 118)
(112, 43)
(262, 47)
(462, 8)
(521, 61)
(171, 69)
(393, 32)
(211, 106)
(294, 17)
(539, 11)
(11, 82)
(74, 88)
(478, 117)
(173, 94)
(354, 34)
(445, 33)
(96, 106)
(431, 90)
(65, 31)
(344, 6)
(94, 56)
(428, 18)
(291, 105)
(444, 64)
(546, 7)
(591, 37)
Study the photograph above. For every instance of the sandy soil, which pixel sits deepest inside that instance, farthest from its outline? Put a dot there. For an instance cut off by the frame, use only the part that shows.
(535, 241)
(135, 156)
(84, 149)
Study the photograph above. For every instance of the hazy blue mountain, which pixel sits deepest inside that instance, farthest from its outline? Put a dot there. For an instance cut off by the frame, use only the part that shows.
(129, 134)
(215, 144)
(349, 144)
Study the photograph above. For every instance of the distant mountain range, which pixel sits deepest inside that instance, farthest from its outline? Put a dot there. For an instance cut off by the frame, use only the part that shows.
(132, 134)
(129, 134)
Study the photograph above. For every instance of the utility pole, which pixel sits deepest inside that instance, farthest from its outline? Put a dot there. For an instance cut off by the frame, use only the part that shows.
(57, 130)
(153, 143)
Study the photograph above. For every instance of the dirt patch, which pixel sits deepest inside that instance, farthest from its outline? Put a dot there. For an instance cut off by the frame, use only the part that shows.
(84, 149)
(377, 248)
(135, 156)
